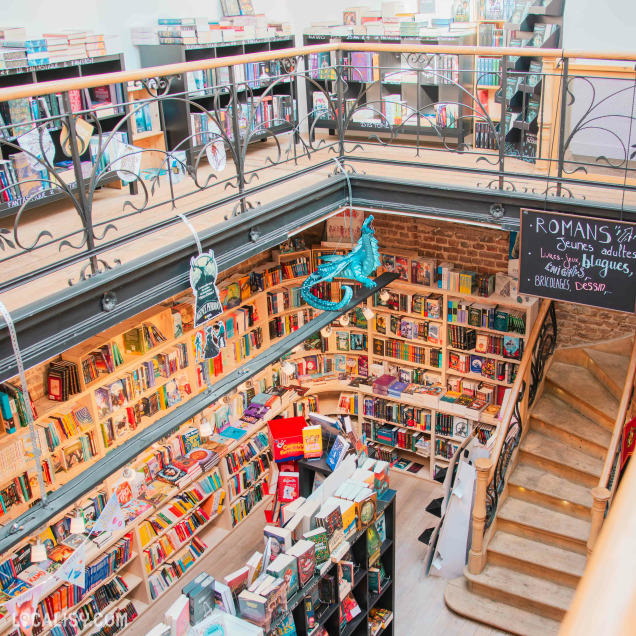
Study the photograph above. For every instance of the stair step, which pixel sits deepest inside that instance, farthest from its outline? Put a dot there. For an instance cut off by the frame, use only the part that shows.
(610, 369)
(549, 488)
(526, 592)
(581, 390)
(554, 418)
(504, 617)
(536, 558)
(538, 523)
(556, 456)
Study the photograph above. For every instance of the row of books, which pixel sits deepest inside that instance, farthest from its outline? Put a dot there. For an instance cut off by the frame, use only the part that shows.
(487, 70)
(19, 179)
(490, 35)
(501, 10)
(247, 476)
(159, 551)
(487, 316)
(405, 327)
(286, 298)
(18, 50)
(485, 136)
(164, 577)
(389, 435)
(451, 425)
(245, 503)
(402, 414)
(399, 350)
(445, 449)
(252, 75)
(238, 458)
(170, 514)
(480, 365)
(63, 426)
(281, 326)
(122, 391)
(247, 345)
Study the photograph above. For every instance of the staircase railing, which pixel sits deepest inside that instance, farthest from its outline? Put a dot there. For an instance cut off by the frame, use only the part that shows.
(540, 347)
(604, 493)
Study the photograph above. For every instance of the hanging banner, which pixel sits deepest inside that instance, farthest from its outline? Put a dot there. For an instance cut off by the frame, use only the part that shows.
(111, 518)
(128, 162)
(216, 151)
(30, 141)
(22, 608)
(177, 165)
(203, 272)
(73, 569)
(629, 442)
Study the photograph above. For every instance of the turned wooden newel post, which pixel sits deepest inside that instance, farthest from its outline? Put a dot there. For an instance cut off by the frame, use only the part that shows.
(601, 497)
(476, 556)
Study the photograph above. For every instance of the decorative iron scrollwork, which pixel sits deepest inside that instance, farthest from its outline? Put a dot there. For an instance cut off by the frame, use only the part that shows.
(543, 349)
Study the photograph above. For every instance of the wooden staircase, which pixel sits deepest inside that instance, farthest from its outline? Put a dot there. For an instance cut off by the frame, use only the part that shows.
(537, 550)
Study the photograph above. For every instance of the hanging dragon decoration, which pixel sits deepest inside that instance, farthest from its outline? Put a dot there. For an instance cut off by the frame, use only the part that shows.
(357, 265)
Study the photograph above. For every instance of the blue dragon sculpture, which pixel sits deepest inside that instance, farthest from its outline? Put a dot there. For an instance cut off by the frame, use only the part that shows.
(357, 265)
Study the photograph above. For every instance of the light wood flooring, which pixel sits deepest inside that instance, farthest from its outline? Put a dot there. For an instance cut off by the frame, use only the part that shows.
(109, 208)
(420, 609)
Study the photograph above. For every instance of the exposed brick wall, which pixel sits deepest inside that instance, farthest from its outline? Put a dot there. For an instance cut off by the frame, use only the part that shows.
(486, 250)
(578, 324)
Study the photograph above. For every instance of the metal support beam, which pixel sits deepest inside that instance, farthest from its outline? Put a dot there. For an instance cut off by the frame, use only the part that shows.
(50, 326)
(66, 496)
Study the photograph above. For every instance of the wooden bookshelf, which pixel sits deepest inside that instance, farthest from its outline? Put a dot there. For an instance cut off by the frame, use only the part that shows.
(176, 113)
(60, 71)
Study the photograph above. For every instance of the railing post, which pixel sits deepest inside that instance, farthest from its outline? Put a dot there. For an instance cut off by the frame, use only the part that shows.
(601, 497)
(476, 557)
(236, 131)
(502, 121)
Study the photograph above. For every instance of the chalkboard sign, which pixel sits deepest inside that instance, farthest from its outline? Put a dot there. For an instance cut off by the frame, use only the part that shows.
(578, 259)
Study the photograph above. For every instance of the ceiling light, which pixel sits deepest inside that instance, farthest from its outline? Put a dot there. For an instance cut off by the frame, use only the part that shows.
(77, 523)
(325, 332)
(384, 295)
(38, 552)
(344, 320)
(288, 368)
(205, 429)
(368, 312)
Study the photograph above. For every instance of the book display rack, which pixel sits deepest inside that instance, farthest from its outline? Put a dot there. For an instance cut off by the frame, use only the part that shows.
(413, 98)
(185, 125)
(13, 165)
(536, 24)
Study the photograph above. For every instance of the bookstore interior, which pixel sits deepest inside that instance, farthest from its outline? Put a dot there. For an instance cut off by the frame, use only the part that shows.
(370, 375)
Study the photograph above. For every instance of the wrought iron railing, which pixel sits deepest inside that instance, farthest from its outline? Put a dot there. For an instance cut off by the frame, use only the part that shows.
(541, 345)
(350, 114)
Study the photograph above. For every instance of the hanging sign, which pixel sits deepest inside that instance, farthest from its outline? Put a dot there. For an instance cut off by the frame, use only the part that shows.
(22, 608)
(215, 152)
(111, 518)
(128, 162)
(577, 259)
(629, 442)
(203, 272)
(30, 141)
(177, 165)
(73, 570)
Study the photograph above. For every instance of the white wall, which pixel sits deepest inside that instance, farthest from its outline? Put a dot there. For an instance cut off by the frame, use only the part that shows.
(116, 17)
(599, 26)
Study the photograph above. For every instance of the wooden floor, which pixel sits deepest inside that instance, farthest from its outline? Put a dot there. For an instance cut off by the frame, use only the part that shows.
(109, 205)
(420, 604)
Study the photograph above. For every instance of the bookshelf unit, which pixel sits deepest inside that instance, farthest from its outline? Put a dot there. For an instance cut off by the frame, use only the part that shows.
(418, 94)
(440, 352)
(60, 71)
(177, 114)
(329, 615)
(524, 82)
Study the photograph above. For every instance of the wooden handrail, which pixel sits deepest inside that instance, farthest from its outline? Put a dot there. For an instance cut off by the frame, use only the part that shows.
(605, 599)
(620, 423)
(502, 428)
(57, 86)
